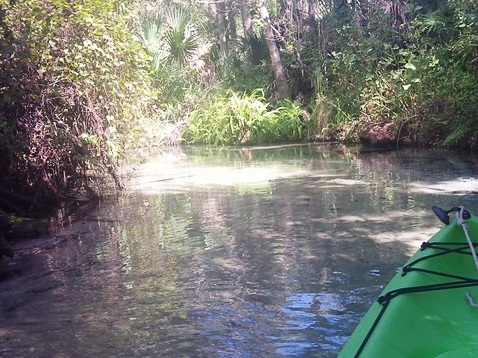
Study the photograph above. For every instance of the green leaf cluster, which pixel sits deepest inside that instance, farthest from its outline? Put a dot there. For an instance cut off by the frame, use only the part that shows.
(240, 118)
(170, 36)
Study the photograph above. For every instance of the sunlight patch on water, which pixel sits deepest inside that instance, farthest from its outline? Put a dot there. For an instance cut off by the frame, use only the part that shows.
(410, 239)
(348, 182)
(461, 185)
(159, 177)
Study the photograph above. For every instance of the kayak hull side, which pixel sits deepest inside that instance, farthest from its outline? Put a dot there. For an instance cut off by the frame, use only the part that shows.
(430, 323)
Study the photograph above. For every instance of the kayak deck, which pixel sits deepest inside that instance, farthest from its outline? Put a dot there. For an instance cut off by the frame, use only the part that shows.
(424, 310)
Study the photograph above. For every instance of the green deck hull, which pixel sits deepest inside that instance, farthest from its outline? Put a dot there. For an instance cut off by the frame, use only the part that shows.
(438, 323)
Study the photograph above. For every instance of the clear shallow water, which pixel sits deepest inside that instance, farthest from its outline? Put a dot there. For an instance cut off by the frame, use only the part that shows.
(260, 252)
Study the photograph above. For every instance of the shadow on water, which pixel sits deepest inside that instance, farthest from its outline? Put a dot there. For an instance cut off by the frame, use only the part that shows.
(230, 253)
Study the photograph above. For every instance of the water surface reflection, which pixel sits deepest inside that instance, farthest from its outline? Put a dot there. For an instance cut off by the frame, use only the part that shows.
(230, 253)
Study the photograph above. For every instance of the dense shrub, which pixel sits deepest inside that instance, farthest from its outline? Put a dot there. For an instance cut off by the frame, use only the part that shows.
(421, 75)
(74, 85)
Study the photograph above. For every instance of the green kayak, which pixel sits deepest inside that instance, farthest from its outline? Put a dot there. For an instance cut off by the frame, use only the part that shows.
(427, 309)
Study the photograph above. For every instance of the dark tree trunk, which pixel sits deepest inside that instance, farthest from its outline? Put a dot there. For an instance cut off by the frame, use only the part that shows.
(231, 22)
(246, 20)
(222, 27)
(279, 74)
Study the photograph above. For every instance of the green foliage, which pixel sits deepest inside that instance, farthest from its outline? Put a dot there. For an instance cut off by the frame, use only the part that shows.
(170, 36)
(175, 46)
(181, 36)
(423, 74)
(238, 73)
(75, 88)
(236, 119)
(353, 63)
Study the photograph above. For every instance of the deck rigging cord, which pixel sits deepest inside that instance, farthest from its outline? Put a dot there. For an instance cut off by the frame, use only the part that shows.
(440, 249)
(461, 221)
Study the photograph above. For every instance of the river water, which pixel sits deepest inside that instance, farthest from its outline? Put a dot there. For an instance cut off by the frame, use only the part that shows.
(253, 252)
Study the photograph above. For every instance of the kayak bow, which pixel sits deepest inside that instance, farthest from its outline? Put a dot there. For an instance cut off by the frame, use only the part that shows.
(427, 309)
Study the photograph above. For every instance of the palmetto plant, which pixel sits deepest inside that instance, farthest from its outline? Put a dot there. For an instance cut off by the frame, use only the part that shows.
(151, 37)
(181, 36)
(170, 37)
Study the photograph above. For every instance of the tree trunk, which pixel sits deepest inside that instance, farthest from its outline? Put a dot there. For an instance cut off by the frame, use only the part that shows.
(396, 9)
(231, 22)
(222, 27)
(279, 74)
(246, 20)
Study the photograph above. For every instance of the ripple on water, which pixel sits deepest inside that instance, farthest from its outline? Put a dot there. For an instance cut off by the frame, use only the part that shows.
(282, 263)
(312, 320)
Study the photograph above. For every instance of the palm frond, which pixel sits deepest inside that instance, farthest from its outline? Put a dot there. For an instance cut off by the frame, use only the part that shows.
(181, 35)
(169, 37)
